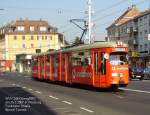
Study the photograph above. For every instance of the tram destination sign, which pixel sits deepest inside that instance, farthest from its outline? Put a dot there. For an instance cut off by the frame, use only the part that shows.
(120, 49)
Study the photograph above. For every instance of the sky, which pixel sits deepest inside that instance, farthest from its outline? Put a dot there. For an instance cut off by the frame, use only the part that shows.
(59, 12)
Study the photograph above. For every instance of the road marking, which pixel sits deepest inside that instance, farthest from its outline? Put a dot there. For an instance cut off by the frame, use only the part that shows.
(26, 76)
(13, 84)
(38, 92)
(86, 109)
(120, 97)
(67, 102)
(18, 85)
(1, 80)
(60, 108)
(24, 87)
(30, 89)
(53, 97)
(139, 91)
(145, 80)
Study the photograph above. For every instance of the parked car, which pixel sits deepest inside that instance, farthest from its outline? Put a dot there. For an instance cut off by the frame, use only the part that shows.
(136, 73)
(147, 72)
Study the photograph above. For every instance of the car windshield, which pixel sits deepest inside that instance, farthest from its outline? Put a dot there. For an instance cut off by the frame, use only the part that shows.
(118, 58)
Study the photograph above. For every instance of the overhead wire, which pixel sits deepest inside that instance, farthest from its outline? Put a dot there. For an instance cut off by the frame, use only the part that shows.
(118, 11)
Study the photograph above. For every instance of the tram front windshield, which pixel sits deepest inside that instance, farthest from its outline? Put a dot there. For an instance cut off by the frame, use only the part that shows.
(118, 58)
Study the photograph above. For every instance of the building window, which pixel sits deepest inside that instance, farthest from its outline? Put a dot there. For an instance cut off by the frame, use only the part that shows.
(42, 37)
(37, 37)
(141, 48)
(31, 28)
(20, 28)
(49, 37)
(15, 37)
(45, 37)
(23, 38)
(23, 45)
(32, 45)
(140, 19)
(140, 33)
(42, 28)
(32, 37)
(145, 47)
(145, 31)
(145, 17)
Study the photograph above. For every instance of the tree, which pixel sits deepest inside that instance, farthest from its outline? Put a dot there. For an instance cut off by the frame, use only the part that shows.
(78, 41)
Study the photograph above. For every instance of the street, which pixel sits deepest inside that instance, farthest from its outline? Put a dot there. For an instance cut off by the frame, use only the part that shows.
(54, 99)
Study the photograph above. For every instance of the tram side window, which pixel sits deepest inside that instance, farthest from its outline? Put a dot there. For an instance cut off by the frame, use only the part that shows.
(81, 58)
(56, 61)
(63, 61)
(42, 61)
(96, 60)
(103, 63)
(47, 60)
(34, 61)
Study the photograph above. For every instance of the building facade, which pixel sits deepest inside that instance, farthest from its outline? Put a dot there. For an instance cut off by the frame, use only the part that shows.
(26, 37)
(144, 37)
(133, 28)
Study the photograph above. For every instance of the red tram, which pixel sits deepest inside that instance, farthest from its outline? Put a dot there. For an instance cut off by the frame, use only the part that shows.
(101, 64)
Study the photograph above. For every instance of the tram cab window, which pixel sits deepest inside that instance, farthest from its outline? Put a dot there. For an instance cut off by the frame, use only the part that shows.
(118, 58)
(81, 58)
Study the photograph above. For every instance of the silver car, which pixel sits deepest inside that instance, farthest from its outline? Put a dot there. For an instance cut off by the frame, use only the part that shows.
(147, 72)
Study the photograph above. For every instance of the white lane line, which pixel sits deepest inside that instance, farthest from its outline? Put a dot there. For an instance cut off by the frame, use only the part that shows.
(26, 76)
(67, 102)
(38, 92)
(53, 97)
(139, 91)
(120, 97)
(18, 85)
(24, 87)
(13, 84)
(85, 109)
(1, 80)
(146, 80)
(59, 108)
(30, 89)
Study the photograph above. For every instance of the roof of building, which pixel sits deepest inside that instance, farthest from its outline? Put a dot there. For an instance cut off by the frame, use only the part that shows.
(144, 13)
(11, 27)
(129, 14)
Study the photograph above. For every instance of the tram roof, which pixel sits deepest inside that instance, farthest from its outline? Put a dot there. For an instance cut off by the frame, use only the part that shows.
(84, 47)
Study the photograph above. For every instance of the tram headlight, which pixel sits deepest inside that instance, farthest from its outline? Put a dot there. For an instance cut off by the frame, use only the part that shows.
(115, 74)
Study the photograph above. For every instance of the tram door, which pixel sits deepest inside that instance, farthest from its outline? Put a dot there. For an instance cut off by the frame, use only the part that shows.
(68, 69)
(99, 69)
(39, 67)
(42, 67)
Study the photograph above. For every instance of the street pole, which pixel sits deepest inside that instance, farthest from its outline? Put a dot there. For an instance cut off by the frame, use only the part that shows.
(89, 19)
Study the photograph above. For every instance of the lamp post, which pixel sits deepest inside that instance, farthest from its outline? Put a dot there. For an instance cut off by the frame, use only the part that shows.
(89, 20)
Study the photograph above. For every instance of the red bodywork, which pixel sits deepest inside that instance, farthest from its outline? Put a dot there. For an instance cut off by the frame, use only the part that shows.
(59, 67)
